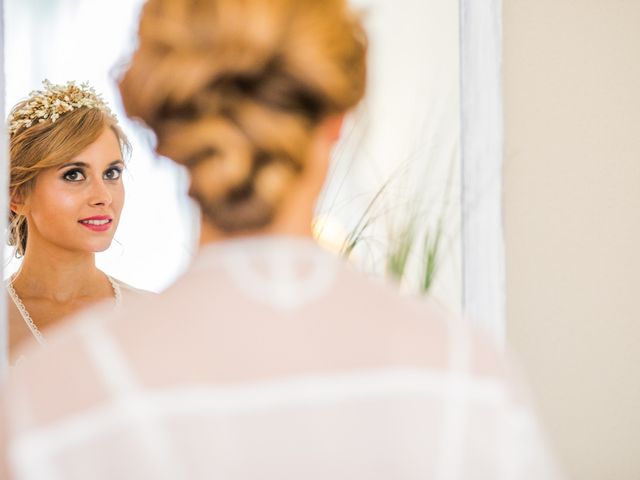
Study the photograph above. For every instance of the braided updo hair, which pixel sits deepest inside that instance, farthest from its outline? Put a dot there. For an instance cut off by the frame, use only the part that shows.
(233, 89)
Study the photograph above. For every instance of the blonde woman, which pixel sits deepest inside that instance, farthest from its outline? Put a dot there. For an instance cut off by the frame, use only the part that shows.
(269, 358)
(66, 195)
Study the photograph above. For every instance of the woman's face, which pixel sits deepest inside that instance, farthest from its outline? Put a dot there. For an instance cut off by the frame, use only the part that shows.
(77, 206)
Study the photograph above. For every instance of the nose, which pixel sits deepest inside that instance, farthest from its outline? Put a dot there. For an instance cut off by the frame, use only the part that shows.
(100, 195)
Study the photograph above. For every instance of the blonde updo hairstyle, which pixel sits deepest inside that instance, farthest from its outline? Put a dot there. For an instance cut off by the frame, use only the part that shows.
(234, 88)
(46, 145)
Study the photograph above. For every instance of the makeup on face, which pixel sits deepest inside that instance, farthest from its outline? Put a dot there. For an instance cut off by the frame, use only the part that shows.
(77, 172)
(77, 205)
(98, 223)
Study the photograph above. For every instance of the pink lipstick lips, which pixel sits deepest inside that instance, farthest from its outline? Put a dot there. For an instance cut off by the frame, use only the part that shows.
(99, 223)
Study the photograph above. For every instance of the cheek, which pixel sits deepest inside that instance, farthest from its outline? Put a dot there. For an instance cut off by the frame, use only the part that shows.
(118, 198)
(53, 202)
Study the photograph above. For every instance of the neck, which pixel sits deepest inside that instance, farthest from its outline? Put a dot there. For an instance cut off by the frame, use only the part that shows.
(58, 274)
(299, 225)
(294, 218)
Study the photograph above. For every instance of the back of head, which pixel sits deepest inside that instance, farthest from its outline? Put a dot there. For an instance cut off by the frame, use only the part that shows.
(234, 88)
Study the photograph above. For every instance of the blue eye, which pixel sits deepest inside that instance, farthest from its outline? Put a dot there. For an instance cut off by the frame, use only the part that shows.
(74, 175)
(113, 173)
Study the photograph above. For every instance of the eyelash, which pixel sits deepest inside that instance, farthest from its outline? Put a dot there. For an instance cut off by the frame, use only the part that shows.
(115, 169)
(67, 174)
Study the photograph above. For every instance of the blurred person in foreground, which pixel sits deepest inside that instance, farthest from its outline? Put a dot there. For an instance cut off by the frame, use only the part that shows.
(269, 358)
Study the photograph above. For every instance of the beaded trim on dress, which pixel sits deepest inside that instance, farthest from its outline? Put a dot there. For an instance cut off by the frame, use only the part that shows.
(27, 317)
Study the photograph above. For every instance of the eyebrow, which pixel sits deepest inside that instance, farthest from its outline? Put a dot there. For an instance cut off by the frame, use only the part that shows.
(86, 165)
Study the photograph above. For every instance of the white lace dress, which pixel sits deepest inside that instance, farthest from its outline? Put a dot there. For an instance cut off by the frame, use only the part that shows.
(271, 359)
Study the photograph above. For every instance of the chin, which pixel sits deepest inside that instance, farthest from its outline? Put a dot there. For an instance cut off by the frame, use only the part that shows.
(102, 248)
(97, 247)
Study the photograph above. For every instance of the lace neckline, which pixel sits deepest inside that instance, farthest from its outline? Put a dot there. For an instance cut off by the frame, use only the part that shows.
(117, 294)
(256, 245)
(282, 272)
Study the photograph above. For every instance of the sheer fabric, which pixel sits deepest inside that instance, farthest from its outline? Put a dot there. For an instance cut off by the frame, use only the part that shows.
(270, 359)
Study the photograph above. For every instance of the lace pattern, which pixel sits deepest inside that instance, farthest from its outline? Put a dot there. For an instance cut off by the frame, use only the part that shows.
(27, 317)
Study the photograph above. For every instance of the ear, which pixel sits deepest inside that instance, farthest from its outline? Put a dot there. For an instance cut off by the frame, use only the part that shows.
(332, 126)
(325, 136)
(18, 204)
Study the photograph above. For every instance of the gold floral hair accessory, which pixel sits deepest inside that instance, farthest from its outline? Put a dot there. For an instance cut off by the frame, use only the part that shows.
(54, 101)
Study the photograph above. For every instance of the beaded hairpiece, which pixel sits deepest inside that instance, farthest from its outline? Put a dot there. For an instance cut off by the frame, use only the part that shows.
(54, 101)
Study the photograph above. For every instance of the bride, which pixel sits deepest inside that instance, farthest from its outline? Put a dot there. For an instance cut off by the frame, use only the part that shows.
(66, 195)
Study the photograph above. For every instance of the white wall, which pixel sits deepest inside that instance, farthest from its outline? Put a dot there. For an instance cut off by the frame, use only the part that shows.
(572, 213)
